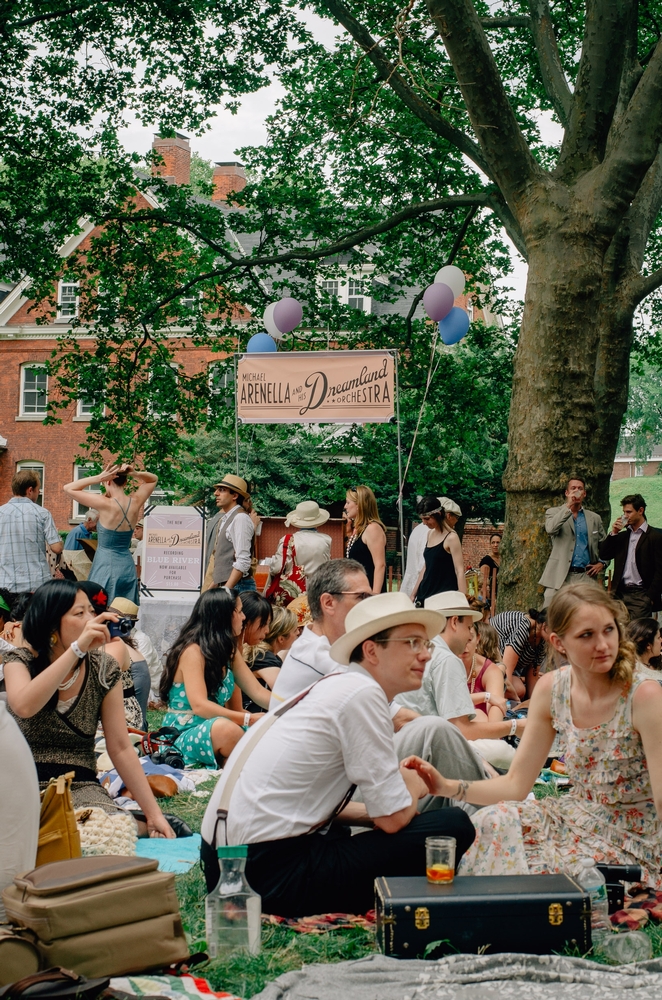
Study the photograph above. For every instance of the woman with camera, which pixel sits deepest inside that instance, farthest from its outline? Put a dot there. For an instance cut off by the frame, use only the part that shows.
(113, 566)
(61, 687)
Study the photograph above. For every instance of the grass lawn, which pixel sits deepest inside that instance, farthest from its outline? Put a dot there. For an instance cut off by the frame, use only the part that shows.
(283, 950)
(650, 488)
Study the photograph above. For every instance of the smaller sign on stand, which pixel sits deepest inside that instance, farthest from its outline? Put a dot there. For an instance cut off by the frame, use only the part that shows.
(173, 549)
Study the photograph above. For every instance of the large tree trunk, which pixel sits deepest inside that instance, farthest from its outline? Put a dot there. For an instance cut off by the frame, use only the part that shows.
(569, 395)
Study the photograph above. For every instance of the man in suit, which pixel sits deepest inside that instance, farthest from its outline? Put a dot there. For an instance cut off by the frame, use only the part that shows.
(576, 534)
(637, 555)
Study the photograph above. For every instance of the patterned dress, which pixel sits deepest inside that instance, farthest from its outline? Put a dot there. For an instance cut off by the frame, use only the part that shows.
(195, 744)
(609, 813)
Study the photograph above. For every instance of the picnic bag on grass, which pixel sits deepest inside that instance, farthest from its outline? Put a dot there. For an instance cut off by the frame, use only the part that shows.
(59, 839)
(287, 587)
(19, 956)
(100, 916)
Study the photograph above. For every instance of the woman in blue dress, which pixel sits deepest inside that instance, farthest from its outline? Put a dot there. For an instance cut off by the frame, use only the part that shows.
(202, 678)
(113, 566)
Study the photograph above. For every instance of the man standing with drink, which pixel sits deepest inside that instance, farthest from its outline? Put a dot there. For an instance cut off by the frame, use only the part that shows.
(637, 555)
(576, 533)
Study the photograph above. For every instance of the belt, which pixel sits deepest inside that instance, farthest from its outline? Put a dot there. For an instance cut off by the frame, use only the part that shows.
(633, 586)
(577, 569)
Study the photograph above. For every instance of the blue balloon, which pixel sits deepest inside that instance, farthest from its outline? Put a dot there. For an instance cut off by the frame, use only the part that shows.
(454, 327)
(261, 343)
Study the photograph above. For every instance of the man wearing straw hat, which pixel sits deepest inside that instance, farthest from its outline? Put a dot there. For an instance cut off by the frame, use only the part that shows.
(231, 537)
(303, 766)
(308, 548)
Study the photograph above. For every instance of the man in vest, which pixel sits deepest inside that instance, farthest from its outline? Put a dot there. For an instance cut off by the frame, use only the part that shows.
(232, 541)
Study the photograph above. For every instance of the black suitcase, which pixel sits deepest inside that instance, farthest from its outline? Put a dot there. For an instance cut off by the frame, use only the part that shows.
(536, 914)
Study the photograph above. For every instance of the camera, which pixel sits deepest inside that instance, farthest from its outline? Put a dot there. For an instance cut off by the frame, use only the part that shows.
(120, 628)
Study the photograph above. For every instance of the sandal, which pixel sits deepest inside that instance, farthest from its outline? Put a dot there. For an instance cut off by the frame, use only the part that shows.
(53, 984)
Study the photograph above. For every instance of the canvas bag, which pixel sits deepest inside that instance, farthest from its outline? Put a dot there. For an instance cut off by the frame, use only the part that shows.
(19, 956)
(287, 587)
(100, 916)
(59, 839)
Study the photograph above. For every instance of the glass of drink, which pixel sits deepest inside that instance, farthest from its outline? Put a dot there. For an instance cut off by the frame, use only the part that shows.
(440, 859)
(261, 577)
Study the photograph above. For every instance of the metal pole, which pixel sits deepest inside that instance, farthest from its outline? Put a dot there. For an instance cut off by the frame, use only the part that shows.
(236, 417)
(401, 516)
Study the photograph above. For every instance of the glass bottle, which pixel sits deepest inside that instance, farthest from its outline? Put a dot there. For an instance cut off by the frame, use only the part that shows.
(233, 912)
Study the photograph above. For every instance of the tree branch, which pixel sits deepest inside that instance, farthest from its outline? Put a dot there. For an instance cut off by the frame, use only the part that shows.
(553, 76)
(644, 286)
(498, 205)
(635, 147)
(511, 163)
(514, 21)
(388, 73)
(7, 26)
(477, 199)
(596, 88)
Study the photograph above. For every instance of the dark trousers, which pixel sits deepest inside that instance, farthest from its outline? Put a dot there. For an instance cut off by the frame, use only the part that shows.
(636, 600)
(142, 684)
(335, 872)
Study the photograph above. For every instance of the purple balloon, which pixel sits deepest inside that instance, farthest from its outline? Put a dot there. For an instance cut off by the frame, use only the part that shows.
(438, 301)
(454, 327)
(287, 314)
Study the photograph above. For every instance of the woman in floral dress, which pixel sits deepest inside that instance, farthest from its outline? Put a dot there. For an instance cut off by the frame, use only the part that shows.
(607, 714)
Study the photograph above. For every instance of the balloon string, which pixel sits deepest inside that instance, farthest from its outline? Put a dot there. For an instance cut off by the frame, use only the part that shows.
(431, 372)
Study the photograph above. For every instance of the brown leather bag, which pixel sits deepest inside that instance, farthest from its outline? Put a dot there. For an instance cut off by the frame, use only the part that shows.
(59, 839)
(100, 916)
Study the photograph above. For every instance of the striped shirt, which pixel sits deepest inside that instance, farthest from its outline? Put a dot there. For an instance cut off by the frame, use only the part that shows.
(25, 530)
(513, 629)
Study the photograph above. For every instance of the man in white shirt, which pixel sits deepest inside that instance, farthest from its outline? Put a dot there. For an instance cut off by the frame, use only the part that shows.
(333, 590)
(303, 767)
(233, 540)
(445, 692)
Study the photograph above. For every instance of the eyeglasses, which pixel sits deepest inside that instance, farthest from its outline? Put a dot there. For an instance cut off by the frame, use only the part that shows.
(361, 594)
(415, 644)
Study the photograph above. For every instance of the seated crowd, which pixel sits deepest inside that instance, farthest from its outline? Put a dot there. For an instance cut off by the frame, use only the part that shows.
(346, 742)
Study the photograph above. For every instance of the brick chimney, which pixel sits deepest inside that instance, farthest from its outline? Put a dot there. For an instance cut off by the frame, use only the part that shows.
(227, 177)
(176, 153)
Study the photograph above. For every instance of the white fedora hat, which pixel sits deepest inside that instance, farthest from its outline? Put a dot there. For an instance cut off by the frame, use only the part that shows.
(380, 612)
(451, 602)
(307, 514)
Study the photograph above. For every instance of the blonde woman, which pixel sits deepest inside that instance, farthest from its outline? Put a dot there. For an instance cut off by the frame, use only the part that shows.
(443, 568)
(607, 714)
(367, 543)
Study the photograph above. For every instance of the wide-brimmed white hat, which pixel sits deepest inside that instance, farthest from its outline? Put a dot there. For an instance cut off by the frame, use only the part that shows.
(452, 602)
(380, 612)
(449, 506)
(307, 514)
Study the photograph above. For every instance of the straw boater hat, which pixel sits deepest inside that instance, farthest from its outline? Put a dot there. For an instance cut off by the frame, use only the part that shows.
(236, 484)
(124, 607)
(450, 603)
(380, 612)
(307, 514)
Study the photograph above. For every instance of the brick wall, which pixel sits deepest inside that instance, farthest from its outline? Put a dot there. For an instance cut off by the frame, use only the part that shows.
(626, 470)
(176, 153)
(476, 542)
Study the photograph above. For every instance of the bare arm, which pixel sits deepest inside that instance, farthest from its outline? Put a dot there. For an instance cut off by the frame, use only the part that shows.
(56, 547)
(485, 573)
(397, 820)
(529, 758)
(453, 546)
(248, 684)
(510, 661)
(375, 539)
(646, 712)
(418, 583)
(269, 675)
(127, 764)
(485, 729)
(27, 695)
(192, 666)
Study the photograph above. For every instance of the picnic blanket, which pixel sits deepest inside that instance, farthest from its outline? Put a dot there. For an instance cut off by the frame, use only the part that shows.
(172, 987)
(176, 856)
(470, 977)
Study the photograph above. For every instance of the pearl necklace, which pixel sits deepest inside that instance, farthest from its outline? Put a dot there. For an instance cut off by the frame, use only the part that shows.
(72, 680)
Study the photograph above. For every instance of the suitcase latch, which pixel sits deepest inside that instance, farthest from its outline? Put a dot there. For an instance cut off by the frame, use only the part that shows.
(555, 913)
(422, 918)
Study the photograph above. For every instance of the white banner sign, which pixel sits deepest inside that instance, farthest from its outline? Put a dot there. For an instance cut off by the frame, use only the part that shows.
(173, 549)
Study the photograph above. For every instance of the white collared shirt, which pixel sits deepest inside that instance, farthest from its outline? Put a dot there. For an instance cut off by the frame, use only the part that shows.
(631, 575)
(339, 735)
(444, 691)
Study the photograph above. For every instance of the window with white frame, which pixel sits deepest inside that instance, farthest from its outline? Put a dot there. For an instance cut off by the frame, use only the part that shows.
(221, 385)
(67, 301)
(34, 391)
(29, 466)
(353, 291)
(82, 472)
